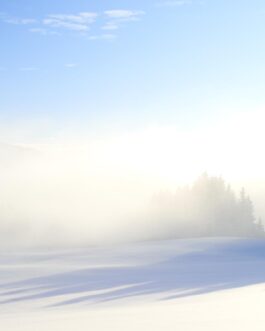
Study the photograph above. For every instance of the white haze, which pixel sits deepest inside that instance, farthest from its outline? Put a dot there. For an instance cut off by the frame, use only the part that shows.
(87, 191)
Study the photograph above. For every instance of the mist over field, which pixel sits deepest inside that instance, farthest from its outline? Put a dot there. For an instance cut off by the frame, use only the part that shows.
(95, 191)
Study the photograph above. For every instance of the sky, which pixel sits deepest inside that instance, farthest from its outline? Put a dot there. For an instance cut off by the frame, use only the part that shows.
(125, 65)
(73, 69)
(145, 94)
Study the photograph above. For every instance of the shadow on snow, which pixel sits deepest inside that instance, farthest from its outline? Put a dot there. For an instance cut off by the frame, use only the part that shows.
(221, 267)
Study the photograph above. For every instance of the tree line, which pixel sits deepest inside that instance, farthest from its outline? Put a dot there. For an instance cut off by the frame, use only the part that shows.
(207, 208)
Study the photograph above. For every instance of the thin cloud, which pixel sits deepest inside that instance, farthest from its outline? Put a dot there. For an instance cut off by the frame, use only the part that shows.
(117, 17)
(80, 22)
(22, 21)
(39, 30)
(174, 3)
(103, 37)
(28, 68)
(110, 26)
(16, 20)
(71, 65)
(44, 32)
(123, 14)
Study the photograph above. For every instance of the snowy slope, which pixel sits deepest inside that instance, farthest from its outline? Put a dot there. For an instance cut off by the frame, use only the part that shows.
(199, 284)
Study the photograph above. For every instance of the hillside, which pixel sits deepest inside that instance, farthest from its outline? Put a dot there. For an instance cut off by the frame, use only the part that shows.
(143, 286)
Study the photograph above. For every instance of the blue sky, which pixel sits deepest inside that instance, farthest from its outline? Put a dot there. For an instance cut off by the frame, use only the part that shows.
(122, 65)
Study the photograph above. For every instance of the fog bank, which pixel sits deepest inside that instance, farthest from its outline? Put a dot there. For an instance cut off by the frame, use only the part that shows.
(93, 191)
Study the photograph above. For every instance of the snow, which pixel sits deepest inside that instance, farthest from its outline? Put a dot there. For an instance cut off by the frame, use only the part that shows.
(196, 284)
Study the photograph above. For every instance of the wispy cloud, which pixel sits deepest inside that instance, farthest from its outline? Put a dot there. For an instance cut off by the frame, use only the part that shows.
(39, 30)
(117, 17)
(103, 37)
(16, 20)
(110, 26)
(28, 69)
(174, 3)
(80, 22)
(71, 65)
(179, 3)
(23, 21)
(44, 31)
(125, 15)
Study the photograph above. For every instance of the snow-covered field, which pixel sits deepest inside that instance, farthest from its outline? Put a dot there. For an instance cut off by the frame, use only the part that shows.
(199, 284)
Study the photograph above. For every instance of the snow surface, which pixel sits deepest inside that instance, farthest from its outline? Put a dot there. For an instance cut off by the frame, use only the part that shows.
(197, 284)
